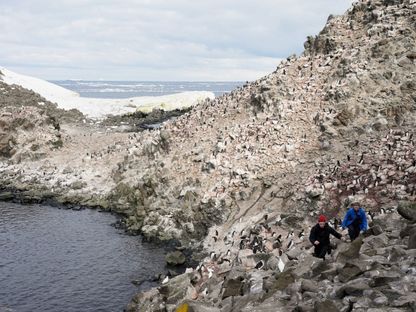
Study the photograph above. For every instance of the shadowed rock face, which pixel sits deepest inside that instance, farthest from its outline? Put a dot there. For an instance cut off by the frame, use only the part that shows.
(407, 210)
(246, 175)
(16, 96)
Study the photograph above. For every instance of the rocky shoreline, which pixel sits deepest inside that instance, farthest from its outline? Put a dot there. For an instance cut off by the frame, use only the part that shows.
(336, 122)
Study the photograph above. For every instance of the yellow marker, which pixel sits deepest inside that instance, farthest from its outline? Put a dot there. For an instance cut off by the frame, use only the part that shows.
(184, 307)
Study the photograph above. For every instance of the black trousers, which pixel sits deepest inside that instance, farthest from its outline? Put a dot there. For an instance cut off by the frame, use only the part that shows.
(321, 250)
(353, 231)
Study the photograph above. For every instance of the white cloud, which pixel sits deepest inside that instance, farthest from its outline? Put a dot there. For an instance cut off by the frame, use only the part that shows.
(158, 39)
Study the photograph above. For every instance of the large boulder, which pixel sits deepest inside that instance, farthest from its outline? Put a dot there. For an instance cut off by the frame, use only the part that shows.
(308, 285)
(348, 272)
(383, 278)
(350, 251)
(283, 280)
(408, 230)
(233, 287)
(175, 258)
(412, 241)
(372, 243)
(325, 306)
(407, 210)
(407, 301)
(353, 288)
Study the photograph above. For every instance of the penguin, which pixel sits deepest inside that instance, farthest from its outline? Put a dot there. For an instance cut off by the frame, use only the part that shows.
(301, 234)
(224, 260)
(259, 265)
(266, 227)
(289, 234)
(361, 159)
(280, 265)
(371, 216)
(290, 244)
(348, 158)
(165, 280)
(210, 272)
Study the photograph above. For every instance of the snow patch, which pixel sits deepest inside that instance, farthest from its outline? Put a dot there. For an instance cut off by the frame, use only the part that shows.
(99, 108)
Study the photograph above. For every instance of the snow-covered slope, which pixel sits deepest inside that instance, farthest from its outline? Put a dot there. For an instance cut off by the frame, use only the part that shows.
(99, 108)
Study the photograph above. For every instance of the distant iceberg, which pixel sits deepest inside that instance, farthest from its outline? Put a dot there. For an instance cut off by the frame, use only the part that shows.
(99, 108)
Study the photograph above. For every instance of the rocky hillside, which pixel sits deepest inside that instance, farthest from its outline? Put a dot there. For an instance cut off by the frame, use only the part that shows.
(335, 122)
(29, 125)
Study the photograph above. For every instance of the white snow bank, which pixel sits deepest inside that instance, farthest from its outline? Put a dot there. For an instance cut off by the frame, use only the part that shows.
(99, 108)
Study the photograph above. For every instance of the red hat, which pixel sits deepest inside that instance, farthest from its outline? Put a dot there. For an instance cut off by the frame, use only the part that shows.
(322, 218)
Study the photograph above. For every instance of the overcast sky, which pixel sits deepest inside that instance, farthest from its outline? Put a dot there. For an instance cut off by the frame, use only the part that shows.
(156, 39)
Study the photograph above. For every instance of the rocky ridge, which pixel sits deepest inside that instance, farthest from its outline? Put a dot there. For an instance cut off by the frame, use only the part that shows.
(335, 122)
(374, 273)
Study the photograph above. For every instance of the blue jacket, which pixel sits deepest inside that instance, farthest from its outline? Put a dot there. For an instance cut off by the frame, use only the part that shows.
(350, 217)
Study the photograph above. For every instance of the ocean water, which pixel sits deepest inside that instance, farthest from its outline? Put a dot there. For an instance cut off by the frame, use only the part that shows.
(126, 89)
(69, 261)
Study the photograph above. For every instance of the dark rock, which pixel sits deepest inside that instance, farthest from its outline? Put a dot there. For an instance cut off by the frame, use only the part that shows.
(308, 285)
(351, 251)
(325, 306)
(283, 280)
(176, 289)
(329, 274)
(348, 272)
(408, 230)
(408, 301)
(305, 307)
(375, 242)
(319, 267)
(233, 287)
(396, 253)
(407, 210)
(384, 278)
(353, 288)
(376, 230)
(5, 196)
(412, 241)
(175, 258)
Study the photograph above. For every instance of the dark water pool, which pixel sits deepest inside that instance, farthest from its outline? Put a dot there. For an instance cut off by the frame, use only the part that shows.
(62, 260)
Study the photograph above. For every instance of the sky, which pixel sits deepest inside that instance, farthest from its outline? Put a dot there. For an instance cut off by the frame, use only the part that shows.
(164, 40)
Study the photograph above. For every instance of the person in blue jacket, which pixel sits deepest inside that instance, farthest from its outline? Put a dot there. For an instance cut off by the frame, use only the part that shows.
(355, 220)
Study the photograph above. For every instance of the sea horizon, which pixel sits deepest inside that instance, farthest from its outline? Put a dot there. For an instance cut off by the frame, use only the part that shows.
(130, 88)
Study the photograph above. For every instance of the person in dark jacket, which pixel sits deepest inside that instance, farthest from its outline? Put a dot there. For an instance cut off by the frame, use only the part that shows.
(319, 237)
(355, 220)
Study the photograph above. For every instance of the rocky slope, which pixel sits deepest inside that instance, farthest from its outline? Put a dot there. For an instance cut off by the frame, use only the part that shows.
(374, 273)
(335, 122)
